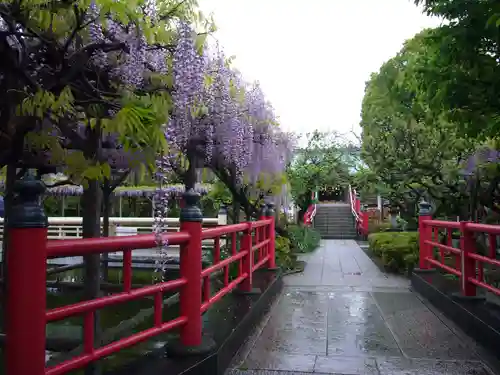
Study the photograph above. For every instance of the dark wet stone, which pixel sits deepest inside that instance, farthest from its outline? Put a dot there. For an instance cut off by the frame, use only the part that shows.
(244, 350)
(334, 279)
(342, 263)
(420, 333)
(388, 289)
(356, 327)
(297, 341)
(265, 360)
(401, 366)
(265, 372)
(355, 307)
(361, 319)
(299, 309)
(393, 303)
(319, 289)
(361, 343)
(479, 319)
(345, 365)
(349, 265)
(229, 321)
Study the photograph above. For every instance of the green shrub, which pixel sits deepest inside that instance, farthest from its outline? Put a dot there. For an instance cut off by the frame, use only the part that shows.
(285, 258)
(376, 227)
(303, 239)
(398, 250)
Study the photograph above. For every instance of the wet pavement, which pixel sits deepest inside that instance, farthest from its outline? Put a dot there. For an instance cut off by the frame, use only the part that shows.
(342, 315)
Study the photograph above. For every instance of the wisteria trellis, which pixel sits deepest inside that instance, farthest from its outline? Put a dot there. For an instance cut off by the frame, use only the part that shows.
(215, 114)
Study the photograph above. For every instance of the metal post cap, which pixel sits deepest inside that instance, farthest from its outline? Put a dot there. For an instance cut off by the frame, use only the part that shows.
(191, 211)
(27, 212)
(270, 209)
(424, 208)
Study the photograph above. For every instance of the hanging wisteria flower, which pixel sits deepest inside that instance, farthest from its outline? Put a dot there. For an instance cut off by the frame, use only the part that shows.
(132, 65)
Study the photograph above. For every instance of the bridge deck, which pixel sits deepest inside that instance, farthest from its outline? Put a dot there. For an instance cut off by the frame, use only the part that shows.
(342, 315)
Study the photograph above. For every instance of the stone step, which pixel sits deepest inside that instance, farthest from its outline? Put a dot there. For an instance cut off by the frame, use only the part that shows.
(336, 232)
(346, 226)
(335, 222)
(330, 220)
(344, 217)
(334, 217)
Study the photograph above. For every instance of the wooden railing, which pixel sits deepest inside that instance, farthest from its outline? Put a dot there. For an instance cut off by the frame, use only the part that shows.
(466, 262)
(252, 248)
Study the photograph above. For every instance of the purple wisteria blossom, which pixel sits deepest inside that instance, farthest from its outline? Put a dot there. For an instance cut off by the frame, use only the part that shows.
(220, 118)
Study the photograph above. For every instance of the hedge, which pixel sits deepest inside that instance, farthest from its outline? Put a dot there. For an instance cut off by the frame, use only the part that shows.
(303, 239)
(397, 250)
(376, 227)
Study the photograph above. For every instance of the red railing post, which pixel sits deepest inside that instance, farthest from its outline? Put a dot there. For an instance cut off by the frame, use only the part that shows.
(424, 234)
(26, 280)
(246, 245)
(190, 269)
(357, 202)
(364, 220)
(271, 234)
(467, 245)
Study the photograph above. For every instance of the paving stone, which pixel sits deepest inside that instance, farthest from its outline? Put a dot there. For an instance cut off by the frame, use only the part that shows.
(342, 315)
(356, 327)
(300, 309)
(420, 333)
(346, 365)
(402, 366)
(265, 360)
(304, 341)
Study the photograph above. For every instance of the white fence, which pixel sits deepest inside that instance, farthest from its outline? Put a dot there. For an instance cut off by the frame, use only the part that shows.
(71, 227)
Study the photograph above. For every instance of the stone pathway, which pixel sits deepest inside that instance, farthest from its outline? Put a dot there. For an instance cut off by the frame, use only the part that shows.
(342, 315)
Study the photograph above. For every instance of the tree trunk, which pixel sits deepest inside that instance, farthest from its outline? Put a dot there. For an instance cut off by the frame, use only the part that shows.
(91, 203)
(106, 210)
(190, 176)
(236, 211)
(91, 227)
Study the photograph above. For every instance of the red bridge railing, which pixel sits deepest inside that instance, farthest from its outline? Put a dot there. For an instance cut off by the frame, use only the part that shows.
(466, 263)
(29, 250)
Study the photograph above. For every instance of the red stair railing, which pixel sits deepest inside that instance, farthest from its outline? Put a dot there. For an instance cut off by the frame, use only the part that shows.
(310, 214)
(361, 216)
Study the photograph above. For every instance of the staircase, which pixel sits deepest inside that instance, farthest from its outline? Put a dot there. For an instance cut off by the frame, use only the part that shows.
(334, 221)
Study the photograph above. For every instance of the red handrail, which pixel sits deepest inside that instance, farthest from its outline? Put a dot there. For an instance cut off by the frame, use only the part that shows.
(360, 217)
(309, 214)
(468, 265)
(26, 285)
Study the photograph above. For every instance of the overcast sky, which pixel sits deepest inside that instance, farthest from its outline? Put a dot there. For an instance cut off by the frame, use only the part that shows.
(313, 57)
